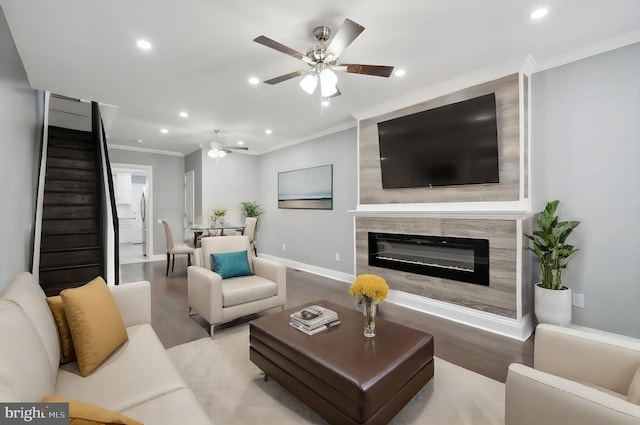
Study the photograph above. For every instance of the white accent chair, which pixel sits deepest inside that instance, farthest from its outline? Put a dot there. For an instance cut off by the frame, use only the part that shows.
(249, 231)
(220, 300)
(175, 248)
(579, 377)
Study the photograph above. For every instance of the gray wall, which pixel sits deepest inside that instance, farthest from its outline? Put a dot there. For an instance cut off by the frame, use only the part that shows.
(21, 119)
(312, 236)
(586, 153)
(168, 193)
(193, 162)
(226, 182)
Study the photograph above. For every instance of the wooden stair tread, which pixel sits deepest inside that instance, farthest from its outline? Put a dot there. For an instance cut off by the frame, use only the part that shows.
(70, 251)
(78, 266)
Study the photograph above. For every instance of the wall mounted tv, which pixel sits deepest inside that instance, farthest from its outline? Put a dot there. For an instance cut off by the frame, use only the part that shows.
(454, 144)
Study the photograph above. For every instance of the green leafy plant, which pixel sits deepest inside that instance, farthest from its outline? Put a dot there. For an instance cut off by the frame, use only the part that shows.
(218, 217)
(252, 209)
(551, 247)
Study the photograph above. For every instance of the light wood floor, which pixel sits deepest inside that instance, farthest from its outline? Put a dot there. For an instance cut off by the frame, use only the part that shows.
(484, 352)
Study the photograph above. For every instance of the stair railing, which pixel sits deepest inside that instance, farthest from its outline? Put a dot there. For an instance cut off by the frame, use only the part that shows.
(37, 228)
(110, 235)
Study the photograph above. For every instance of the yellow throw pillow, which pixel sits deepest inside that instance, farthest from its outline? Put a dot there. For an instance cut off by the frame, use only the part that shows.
(95, 323)
(88, 414)
(67, 352)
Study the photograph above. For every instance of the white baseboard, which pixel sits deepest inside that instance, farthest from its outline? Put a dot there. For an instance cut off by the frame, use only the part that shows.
(159, 257)
(321, 271)
(511, 328)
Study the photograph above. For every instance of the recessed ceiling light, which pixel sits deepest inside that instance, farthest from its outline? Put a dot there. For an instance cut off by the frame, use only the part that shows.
(325, 102)
(164, 131)
(268, 131)
(143, 44)
(240, 142)
(399, 72)
(138, 140)
(183, 114)
(539, 13)
(254, 81)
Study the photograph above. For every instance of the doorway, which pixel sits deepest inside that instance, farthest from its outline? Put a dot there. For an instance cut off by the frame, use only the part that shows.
(133, 185)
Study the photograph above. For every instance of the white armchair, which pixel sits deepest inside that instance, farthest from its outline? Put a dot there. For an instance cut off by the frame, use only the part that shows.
(220, 300)
(579, 377)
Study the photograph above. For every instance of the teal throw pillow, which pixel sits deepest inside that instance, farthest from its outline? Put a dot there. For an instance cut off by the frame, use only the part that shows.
(231, 264)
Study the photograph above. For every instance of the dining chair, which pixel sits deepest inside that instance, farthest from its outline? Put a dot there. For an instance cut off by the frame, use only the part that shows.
(175, 248)
(250, 224)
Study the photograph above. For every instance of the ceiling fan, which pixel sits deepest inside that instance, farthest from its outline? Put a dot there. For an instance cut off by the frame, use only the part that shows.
(322, 59)
(220, 150)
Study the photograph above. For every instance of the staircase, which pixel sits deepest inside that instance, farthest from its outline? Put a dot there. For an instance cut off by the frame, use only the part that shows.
(70, 252)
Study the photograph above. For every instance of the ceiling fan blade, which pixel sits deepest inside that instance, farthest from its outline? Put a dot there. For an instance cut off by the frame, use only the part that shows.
(288, 76)
(336, 94)
(348, 32)
(354, 68)
(266, 41)
(237, 148)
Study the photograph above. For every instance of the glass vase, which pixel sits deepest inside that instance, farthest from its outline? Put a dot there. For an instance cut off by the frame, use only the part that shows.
(369, 317)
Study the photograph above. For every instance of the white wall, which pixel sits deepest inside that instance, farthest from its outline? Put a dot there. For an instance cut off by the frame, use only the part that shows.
(312, 237)
(586, 153)
(21, 120)
(226, 182)
(193, 162)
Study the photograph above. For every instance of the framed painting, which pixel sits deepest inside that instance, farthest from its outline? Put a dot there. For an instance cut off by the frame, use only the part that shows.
(309, 188)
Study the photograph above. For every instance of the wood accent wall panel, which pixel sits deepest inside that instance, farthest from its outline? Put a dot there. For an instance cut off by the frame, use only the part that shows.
(508, 117)
(497, 298)
(525, 125)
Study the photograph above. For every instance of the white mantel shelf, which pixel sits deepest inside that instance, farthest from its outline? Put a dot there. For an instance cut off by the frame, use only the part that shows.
(503, 211)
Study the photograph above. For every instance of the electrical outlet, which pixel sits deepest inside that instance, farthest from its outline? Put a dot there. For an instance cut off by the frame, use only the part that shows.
(284, 247)
(578, 300)
(337, 257)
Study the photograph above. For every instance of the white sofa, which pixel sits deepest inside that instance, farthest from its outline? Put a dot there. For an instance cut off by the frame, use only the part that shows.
(580, 377)
(138, 380)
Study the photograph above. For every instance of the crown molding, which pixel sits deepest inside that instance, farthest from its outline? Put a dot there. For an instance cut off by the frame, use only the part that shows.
(144, 150)
(310, 137)
(588, 51)
(441, 89)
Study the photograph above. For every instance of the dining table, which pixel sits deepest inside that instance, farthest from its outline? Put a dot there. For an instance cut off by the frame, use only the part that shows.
(198, 230)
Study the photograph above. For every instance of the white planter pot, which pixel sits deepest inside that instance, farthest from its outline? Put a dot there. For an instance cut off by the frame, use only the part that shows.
(552, 307)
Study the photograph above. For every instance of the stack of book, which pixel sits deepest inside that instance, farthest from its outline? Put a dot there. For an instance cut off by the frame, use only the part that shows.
(313, 319)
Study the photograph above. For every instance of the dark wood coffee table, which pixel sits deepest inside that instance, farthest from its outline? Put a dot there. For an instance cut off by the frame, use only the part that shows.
(339, 373)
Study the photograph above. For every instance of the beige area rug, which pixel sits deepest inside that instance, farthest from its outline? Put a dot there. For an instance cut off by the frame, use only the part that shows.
(232, 390)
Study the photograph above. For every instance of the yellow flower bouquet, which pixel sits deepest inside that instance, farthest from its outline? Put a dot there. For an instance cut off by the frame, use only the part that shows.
(370, 286)
(373, 289)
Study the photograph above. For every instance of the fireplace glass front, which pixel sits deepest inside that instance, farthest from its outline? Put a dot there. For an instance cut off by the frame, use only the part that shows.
(462, 259)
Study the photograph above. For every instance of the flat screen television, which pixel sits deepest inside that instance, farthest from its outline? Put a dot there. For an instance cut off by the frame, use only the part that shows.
(455, 144)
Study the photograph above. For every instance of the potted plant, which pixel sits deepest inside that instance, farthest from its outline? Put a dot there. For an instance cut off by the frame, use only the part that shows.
(252, 209)
(217, 219)
(549, 243)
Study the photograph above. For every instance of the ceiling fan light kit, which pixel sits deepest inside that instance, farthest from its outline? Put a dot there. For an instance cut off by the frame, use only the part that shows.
(322, 60)
(220, 150)
(328, 81)
(309, 83)
(216, 153)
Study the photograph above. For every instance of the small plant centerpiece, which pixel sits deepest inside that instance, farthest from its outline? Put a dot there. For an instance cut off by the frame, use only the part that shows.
(217, 219)
(549, 244)
(373, 289)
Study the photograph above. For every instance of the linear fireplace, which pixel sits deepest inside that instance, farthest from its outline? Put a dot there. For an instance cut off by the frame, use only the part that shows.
(462, 259)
